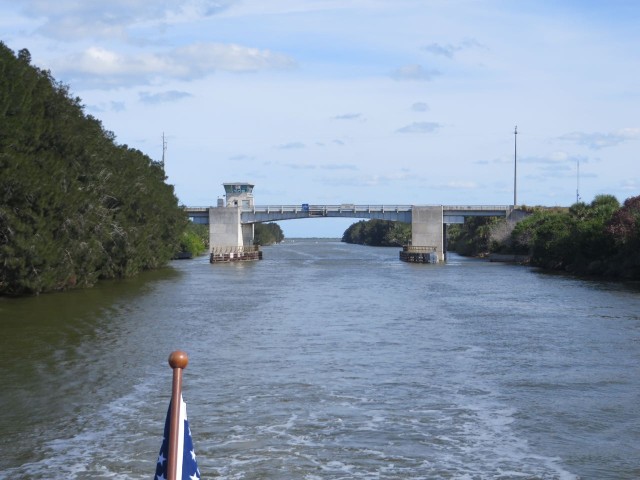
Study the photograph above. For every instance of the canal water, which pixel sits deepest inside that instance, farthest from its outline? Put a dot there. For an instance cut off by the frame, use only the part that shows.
(328, 361)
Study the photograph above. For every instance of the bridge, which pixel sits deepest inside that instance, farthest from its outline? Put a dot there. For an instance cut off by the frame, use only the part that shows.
(395, 213)
(231, 225)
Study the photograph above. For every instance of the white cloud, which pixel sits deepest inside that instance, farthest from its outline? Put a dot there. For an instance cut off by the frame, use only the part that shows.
(631, 185)
(338, 166)
(420, 107)
(291, 146)
(450, 50)
(420, 127)
(415, 72)
(202, 58)
(630, 133)
(554, 158)
(118, 106)
(597, 141)
(72, 20)
(300, 166)
(366, 181)
(348, 116)
(100, 66)
(163, 97)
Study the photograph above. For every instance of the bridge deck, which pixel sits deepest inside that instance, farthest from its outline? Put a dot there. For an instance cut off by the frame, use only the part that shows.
(269, 213)
(402, 213)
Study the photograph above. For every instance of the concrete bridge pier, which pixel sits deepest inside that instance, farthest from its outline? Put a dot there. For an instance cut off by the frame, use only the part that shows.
(229, 239)
(427, 236)
(225, 227)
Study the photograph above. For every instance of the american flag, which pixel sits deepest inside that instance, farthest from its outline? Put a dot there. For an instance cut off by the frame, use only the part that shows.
(187, 467)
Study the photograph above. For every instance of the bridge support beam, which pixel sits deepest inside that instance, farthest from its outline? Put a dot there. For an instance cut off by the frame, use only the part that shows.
(427, 229)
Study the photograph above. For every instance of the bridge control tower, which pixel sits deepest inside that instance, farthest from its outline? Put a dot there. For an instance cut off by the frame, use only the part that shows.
(239, 194)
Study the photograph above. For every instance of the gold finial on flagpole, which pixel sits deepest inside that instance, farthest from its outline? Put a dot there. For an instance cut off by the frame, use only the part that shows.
(178, 359)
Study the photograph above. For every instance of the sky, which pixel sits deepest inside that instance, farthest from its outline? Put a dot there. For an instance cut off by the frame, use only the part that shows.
(395, 102)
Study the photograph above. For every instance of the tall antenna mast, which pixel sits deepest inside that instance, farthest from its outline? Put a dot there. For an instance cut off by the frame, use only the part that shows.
(515, 166)
(578, 181)
(164, 148)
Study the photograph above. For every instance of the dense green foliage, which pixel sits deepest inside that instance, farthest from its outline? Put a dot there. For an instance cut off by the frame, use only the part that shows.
(600, 238)
(74, 206)
(573, 240)
(194, 239)
(473, 237)
(267, 234)
(379, 233)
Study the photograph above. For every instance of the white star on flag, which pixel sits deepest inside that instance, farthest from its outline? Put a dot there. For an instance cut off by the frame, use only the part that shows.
(187, 466)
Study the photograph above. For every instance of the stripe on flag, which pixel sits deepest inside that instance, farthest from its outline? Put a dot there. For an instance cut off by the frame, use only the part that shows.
(187, 467)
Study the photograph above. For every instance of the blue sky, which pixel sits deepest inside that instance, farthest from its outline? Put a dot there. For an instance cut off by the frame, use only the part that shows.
(357, 101)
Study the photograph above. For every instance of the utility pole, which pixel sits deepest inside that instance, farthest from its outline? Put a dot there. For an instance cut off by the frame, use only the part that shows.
(578, 181)
(515, 166)
(164, 150)
(164, 147)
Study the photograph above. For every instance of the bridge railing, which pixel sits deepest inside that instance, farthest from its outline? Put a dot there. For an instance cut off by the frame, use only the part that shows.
(463, 208)
(303, 208)
(196, 209)
(352, 208)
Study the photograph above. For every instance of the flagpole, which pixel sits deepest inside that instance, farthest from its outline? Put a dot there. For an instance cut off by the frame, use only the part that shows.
(178, 361)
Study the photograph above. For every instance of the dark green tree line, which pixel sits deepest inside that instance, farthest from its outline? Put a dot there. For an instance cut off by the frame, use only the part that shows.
(624, 229)
(573, 239)
(599, 238)
(267, 234)
(379, 233)
(473, 237)
(74, 205)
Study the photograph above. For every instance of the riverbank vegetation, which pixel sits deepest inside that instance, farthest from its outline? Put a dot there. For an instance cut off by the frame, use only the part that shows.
(601, 238)
(194, 240)
(378, 233)
(267, 234)
(75, 206)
